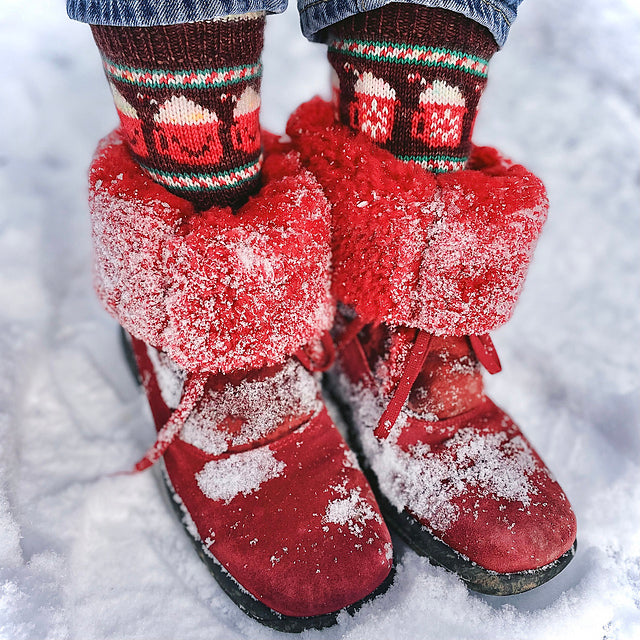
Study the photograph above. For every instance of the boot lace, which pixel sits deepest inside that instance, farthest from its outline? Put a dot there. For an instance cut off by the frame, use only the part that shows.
(482, 346)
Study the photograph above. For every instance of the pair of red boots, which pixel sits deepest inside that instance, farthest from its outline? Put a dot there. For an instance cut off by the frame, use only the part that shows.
(238, 309)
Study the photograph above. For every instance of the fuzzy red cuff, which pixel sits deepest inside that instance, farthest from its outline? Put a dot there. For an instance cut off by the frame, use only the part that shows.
(217, 291)
(446, 253)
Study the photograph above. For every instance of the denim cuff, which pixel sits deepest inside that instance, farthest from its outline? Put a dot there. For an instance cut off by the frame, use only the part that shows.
(149, 13)
(317, 15)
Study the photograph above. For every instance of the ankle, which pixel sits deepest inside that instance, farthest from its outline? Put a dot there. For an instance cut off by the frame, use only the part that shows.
(411, 77)
(188, 100)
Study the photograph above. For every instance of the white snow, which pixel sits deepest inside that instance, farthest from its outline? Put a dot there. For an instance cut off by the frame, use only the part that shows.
(353, 511)
(261, 405)
(170, 376)
(87, 556)
(243, 472)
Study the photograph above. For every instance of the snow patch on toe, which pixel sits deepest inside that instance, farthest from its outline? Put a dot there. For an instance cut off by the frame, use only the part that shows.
(428, 480)
(240, 473)
(353, 511)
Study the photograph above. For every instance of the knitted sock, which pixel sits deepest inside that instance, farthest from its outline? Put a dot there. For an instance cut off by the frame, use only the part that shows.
(411, 77)
(188, 97)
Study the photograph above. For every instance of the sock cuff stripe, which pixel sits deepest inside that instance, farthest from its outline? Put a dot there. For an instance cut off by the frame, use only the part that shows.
(437, 163)
(206, 181)
(187, 79)
(412, 54)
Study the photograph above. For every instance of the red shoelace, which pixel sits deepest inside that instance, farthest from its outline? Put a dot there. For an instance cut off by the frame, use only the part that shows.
(482, 346)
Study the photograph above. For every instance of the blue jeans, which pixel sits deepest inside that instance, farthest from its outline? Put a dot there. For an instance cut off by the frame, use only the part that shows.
(315, 15)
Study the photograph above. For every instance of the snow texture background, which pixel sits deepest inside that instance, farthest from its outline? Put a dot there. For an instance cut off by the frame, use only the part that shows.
(84, 555)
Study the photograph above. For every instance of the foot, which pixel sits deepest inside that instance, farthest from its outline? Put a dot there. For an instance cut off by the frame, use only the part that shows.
(270, 493)
(454, 474)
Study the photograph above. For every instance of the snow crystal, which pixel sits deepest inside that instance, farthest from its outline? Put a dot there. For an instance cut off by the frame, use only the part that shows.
(428, 482)
(243, 472)
(350, 460)
(253, 255)
(261, 405)
(169, 375)
(210, 539)
(463, 365)
(187, 520)
(353, 511)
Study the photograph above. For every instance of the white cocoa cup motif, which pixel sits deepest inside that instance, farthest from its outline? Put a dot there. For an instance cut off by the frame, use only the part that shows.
(245, 132)
(373, 110)
(187, 132)
(438, 120)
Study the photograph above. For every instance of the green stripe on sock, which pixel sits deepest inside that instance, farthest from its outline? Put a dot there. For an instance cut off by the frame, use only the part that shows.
(170, 177)
(348, 45)
(461, 161)
(189, 78)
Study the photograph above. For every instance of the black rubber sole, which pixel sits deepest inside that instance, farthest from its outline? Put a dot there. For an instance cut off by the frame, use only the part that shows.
(240, 596)
(245, 601)
(424, 543)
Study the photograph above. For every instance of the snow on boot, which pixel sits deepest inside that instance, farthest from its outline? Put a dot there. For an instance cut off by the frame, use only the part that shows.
(263, 482)
(440, 263)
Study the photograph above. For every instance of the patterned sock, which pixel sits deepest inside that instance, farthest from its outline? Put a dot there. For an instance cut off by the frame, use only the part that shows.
(188, 97)
(411, 77)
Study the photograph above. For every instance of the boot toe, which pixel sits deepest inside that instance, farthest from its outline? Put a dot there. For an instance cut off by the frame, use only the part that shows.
(512, 536)
(295, 522)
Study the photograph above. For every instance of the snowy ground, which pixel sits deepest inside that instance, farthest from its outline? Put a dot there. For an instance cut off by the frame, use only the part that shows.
(83, 555)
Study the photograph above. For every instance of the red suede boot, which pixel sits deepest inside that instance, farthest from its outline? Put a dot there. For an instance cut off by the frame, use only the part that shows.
(425, 266)
(260, 477)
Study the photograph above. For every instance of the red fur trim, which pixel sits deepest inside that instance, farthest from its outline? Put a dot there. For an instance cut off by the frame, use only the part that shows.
(446, 253)
(216, 291)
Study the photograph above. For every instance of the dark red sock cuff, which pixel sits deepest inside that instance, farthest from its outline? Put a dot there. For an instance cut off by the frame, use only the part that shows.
(194, 45)
(419, 25)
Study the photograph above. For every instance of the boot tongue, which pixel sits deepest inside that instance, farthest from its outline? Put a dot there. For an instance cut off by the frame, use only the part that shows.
(387, 349)
(438, 377)
(242, 411)
(450, 382)
(414, 363)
